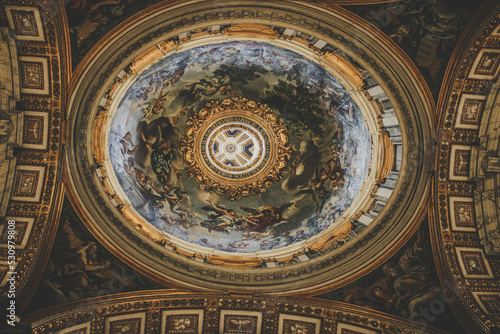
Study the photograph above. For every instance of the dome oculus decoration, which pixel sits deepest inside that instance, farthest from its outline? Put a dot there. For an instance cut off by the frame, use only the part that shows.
(235, 147)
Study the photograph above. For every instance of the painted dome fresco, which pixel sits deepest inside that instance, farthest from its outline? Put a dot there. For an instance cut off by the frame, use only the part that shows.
(246, 156)
(239, 146)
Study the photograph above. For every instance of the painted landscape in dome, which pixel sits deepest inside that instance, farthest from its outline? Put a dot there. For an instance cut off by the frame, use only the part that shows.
(330, 146)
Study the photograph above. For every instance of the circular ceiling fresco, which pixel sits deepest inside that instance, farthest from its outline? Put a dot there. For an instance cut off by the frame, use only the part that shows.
(239, 146)
(249, 148)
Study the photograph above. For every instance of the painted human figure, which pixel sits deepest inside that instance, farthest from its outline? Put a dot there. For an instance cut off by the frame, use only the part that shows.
(162, 156)
(411, 280)
(333, 171)
(301, 235)
(473, 267)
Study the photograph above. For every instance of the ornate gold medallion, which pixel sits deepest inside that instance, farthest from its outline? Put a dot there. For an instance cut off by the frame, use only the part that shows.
(235, 147)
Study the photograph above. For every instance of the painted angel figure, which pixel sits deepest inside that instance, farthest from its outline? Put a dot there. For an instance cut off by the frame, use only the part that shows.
(128, 148)
(155, 106)
(174, 196)
(220, 218)
(264, 217)
(162, 156)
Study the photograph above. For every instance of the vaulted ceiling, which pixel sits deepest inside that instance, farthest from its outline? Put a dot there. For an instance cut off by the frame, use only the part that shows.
(249, 166)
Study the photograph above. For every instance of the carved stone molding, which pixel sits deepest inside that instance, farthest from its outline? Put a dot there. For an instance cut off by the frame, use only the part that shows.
(35, 102)
(464, 229)
(163, 311)
(485, 169)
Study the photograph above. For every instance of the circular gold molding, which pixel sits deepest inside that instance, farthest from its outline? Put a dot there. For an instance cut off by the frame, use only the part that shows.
(274, 151)
(333, 267)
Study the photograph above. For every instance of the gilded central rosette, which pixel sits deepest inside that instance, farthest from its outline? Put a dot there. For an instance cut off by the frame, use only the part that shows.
(235, 147)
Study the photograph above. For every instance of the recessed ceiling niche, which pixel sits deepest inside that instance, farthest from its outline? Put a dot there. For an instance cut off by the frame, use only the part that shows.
(245, 154)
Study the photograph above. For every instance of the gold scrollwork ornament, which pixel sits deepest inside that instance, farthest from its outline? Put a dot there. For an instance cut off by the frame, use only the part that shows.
(269, 168)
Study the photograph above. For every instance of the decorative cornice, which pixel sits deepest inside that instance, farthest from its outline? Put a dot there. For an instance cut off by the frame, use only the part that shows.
(328, 316)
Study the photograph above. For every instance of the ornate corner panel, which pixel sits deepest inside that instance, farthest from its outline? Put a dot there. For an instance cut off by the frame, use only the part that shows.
(92, 266)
